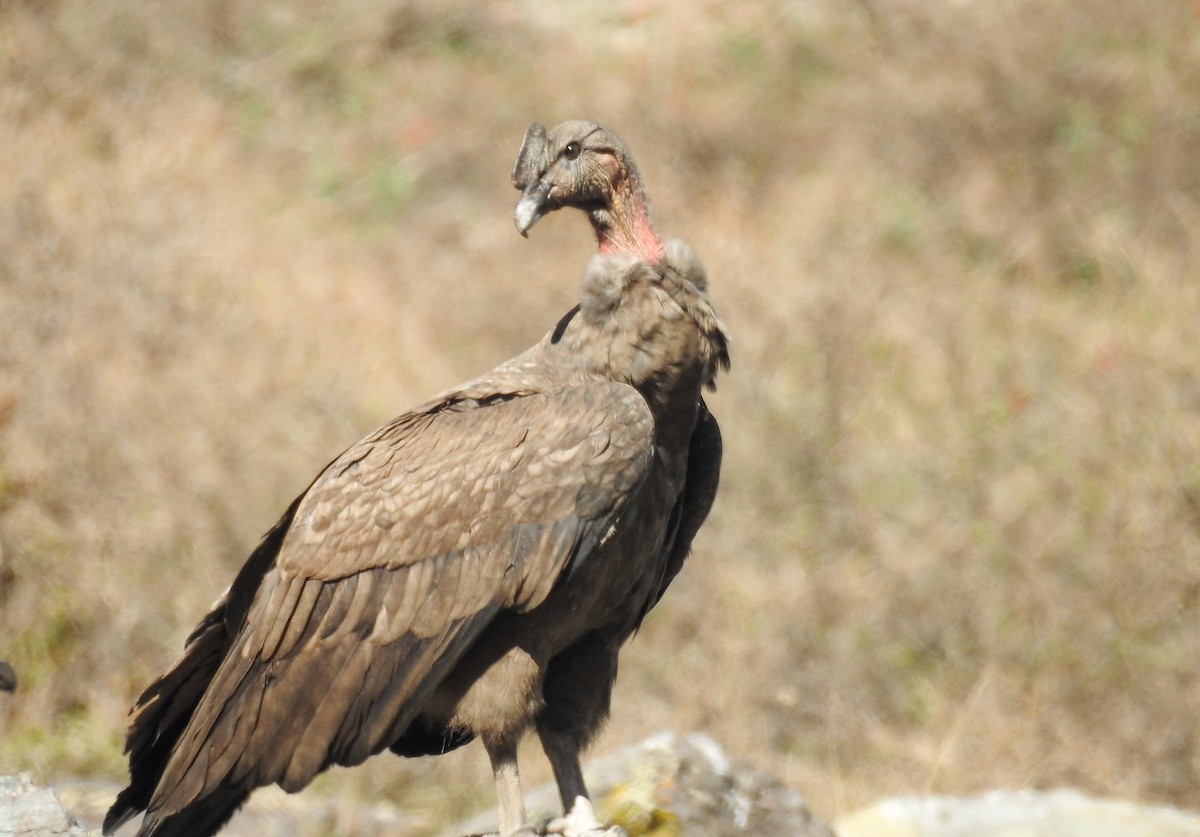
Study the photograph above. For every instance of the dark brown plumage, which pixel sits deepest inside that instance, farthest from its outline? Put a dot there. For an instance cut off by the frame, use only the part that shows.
(472, 568)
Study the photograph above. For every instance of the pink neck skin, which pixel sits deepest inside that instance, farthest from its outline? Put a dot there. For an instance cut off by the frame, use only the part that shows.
(629, 229)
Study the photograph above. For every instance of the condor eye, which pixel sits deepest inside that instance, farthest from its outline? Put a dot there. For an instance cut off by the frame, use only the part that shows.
(572, 151)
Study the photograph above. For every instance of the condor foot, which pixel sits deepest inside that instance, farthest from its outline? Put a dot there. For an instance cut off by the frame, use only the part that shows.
(581, 822)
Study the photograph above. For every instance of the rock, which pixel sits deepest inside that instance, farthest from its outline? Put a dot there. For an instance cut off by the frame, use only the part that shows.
(675, 785)
(30, 811)
(8, 678)
(1058, 813)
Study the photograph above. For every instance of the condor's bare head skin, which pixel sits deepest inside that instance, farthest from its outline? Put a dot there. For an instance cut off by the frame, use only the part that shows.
(584, 165)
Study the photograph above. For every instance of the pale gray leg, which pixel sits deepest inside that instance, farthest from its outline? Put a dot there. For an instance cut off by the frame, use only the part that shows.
(503, 755)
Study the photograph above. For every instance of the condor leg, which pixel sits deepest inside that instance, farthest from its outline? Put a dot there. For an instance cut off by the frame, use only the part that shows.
(503, 754)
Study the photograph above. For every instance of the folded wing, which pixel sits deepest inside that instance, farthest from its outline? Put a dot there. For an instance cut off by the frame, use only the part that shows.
(391, 565)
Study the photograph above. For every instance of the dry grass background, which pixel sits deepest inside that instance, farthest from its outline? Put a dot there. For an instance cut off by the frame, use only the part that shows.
(958, 543)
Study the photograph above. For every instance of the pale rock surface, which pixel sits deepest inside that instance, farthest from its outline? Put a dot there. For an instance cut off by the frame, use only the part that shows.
(31, 811)
(1022, 813)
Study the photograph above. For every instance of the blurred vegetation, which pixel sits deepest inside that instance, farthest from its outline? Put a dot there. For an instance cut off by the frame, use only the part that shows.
(958, 541)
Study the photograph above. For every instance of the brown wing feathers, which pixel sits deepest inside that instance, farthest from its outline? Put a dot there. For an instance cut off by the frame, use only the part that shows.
(163, 711)
(359, 616)
(437, 486)
(285, 719)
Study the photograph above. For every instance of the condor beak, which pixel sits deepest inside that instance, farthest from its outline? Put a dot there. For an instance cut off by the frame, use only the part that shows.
(529, 175)
(534, 203)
